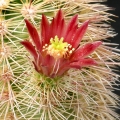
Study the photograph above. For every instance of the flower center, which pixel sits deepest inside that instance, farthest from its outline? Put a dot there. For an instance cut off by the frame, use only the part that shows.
(58, 48)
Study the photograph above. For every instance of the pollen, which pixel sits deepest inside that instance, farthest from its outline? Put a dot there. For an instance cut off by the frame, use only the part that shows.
(58, 48)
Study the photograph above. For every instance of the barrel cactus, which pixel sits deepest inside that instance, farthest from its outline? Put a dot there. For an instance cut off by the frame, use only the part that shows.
(56, 60)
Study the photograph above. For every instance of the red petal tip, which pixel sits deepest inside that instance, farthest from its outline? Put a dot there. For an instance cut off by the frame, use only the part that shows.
(23, 42)
(97, 43)
(26, 21)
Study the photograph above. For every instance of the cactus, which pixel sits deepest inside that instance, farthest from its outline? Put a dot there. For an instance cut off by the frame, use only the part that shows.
(56, 62)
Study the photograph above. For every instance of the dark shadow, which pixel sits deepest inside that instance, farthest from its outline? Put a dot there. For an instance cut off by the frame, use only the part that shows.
(115, 4)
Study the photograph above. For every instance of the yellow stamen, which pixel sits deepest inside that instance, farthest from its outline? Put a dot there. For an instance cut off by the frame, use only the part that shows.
(58, 48)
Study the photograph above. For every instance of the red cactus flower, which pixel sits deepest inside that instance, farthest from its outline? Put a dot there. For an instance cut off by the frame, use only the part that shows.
(57, 48)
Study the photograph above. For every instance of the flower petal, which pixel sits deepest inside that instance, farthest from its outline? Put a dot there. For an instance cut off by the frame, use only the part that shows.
(83, 63)
(69, 37)
(63, 66)
(47, 61)
(59, 17)
(34, 35)
(61, 29)
(71, 25)
(36, 67)
(84, 51)
(45, 30)
(30, 48)
(79, 34)
(57, 25)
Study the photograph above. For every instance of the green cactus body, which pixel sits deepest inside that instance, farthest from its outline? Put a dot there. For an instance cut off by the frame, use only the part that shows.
(56, 78)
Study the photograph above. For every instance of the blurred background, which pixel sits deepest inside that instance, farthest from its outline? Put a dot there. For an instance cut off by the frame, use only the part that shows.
(115, 4)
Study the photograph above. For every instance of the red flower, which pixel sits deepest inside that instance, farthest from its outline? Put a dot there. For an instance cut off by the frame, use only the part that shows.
(57, 48)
